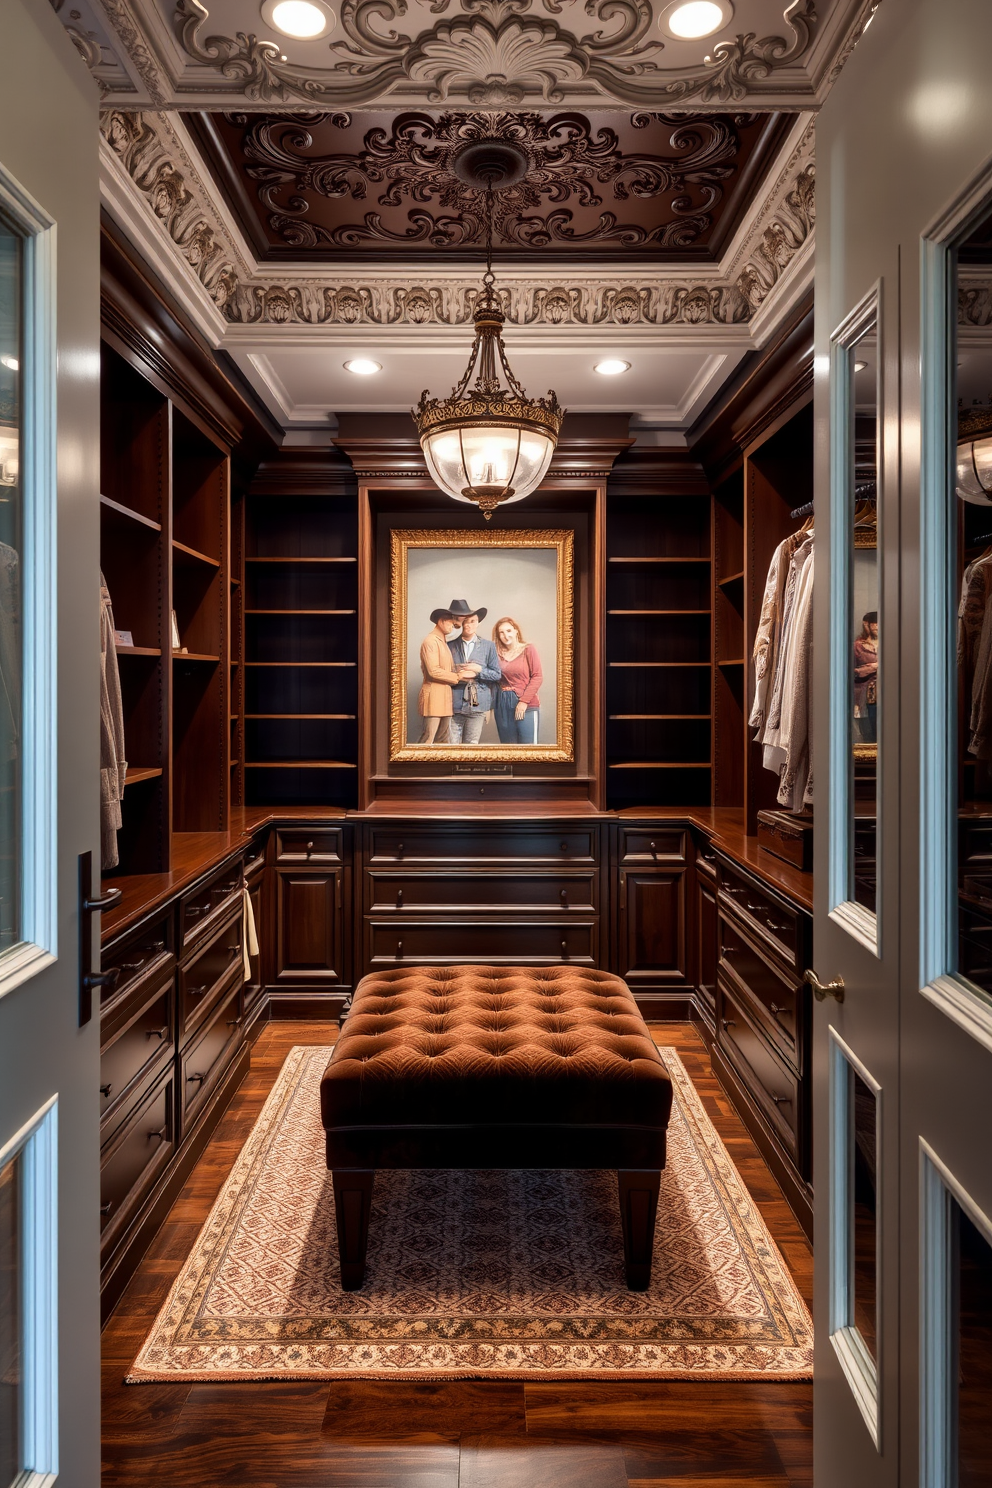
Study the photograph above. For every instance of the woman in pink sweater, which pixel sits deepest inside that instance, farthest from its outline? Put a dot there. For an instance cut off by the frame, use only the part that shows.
(518, 708)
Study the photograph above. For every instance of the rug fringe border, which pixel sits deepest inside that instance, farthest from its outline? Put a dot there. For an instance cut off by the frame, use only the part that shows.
(611, 1376)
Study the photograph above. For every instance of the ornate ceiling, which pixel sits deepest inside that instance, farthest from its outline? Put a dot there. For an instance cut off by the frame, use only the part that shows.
(220, 54)
(323, 186)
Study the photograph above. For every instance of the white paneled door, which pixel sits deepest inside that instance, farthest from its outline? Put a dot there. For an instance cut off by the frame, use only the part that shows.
(49, 751)
(903, 1048)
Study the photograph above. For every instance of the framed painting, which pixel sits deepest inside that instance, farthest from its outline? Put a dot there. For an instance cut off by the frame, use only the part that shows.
(481, 646)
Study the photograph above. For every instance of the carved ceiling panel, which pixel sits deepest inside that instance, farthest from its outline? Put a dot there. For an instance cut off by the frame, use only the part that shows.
(327, 186)
(221, 54)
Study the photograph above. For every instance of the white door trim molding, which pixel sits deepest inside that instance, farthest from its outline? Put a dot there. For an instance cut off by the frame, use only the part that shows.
(860, 1370)
(37, 1145)
(38, 945)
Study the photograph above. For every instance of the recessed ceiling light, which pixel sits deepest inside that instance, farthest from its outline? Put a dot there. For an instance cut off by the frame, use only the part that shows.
(362, 366)
(11, 362)
(689, 20)
(861, 366)
(304, 20)
(611, 367)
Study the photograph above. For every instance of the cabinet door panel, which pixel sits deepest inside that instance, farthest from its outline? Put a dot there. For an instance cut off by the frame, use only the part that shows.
(308, 934)
(653, 928)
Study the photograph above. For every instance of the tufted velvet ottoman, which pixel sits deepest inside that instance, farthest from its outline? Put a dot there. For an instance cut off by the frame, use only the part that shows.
(495, 1067)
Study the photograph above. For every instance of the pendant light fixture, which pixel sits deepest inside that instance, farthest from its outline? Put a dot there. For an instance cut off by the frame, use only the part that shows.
(974, 454)
(488, 444)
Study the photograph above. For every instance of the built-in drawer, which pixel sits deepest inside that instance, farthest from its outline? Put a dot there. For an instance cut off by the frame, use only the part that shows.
(772, 1085)
(206, 905)
(314, 845)
(480, 842)
(652, 845)
(136, 960)
(502, 942)
(776, 922)
(201, 980)
(772, 999)
(137, 1039)
(451, 893)
(255, 858)
(209, 1053)
(133, 1158)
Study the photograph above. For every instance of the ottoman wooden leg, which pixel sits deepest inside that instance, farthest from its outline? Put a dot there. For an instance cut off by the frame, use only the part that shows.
(638, 1208)
(352, 1204)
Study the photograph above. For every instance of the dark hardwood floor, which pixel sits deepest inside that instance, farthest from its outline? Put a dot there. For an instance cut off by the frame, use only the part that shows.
(467, 1434)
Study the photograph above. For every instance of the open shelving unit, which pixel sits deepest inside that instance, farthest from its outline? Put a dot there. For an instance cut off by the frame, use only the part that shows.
(658, 651)
(298, 663)
(165, 546)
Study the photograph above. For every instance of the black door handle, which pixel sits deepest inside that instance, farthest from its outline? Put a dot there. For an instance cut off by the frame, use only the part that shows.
(90, 904)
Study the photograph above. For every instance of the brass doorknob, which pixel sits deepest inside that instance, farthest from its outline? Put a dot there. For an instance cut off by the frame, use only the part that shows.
(822, 990)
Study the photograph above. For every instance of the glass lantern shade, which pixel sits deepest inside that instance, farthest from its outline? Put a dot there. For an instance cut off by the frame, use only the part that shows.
(974, 472)
(488, 464)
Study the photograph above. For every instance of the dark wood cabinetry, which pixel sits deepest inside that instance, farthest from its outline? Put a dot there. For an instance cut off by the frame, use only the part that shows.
(309, 941)
(653, 948)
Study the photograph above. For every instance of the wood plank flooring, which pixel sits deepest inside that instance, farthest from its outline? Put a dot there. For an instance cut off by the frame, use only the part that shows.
(466, 1434)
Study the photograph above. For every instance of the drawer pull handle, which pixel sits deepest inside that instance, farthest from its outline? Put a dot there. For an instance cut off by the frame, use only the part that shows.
(399, 948)
(105, 1090)
(564, 898)
(106, 1208)
(773, 925)
(782, 1100)
(774, 1007)
(754, 908)
(822, 990)
(399, 848)
(728, 1023)
(654, 848)
(195, 1079)
(195, 991)
(564, 949)
(235, 1022)
(157, 1032)
(161, 1134)
(399, 898)
(157, 945)
(309, 848)
(563, 846)
(132, 965)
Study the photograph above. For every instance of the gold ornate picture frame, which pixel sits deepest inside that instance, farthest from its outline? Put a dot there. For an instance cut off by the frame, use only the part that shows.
(528, 575)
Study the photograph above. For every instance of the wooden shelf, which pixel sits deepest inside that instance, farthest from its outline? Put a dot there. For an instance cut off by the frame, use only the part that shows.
(128, 514)
(183, 554)
(658, 612)
(735, 661)
(660, 560)
(350, 716)
(663, 765)
(301, 560)
(138, 650)
(654, 717)
(301, 612)
(140, 772)
(731, 579)
(193, 656)
(300, 765)
(660, 663)
(301, 663)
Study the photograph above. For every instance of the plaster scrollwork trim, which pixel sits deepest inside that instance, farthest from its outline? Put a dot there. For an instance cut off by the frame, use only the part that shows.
(160, 170)
(496, 53)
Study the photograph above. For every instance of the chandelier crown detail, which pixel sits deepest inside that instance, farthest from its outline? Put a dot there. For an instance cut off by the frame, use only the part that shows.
(488, 443)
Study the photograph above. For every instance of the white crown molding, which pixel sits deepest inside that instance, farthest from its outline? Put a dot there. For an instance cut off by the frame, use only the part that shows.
(466, 53)
(158, 190)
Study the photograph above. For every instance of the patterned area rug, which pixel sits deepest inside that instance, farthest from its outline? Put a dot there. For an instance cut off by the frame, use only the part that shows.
(476, 1274)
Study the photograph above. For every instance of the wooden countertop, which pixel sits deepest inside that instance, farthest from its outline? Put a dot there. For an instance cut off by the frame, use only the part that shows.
(197, 853)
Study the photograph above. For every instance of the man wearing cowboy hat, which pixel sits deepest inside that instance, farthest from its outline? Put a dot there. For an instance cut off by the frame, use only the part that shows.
(478, 670)
(434, 703)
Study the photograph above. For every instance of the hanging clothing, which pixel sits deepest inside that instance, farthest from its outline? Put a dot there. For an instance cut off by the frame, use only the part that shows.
(783, 653)
(113, 764)
(769, 634)
(10, 653)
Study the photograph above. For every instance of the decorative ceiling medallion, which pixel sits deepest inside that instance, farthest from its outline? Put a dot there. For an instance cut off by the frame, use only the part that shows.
(665, 202)
(495, 53)
(149, 157)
